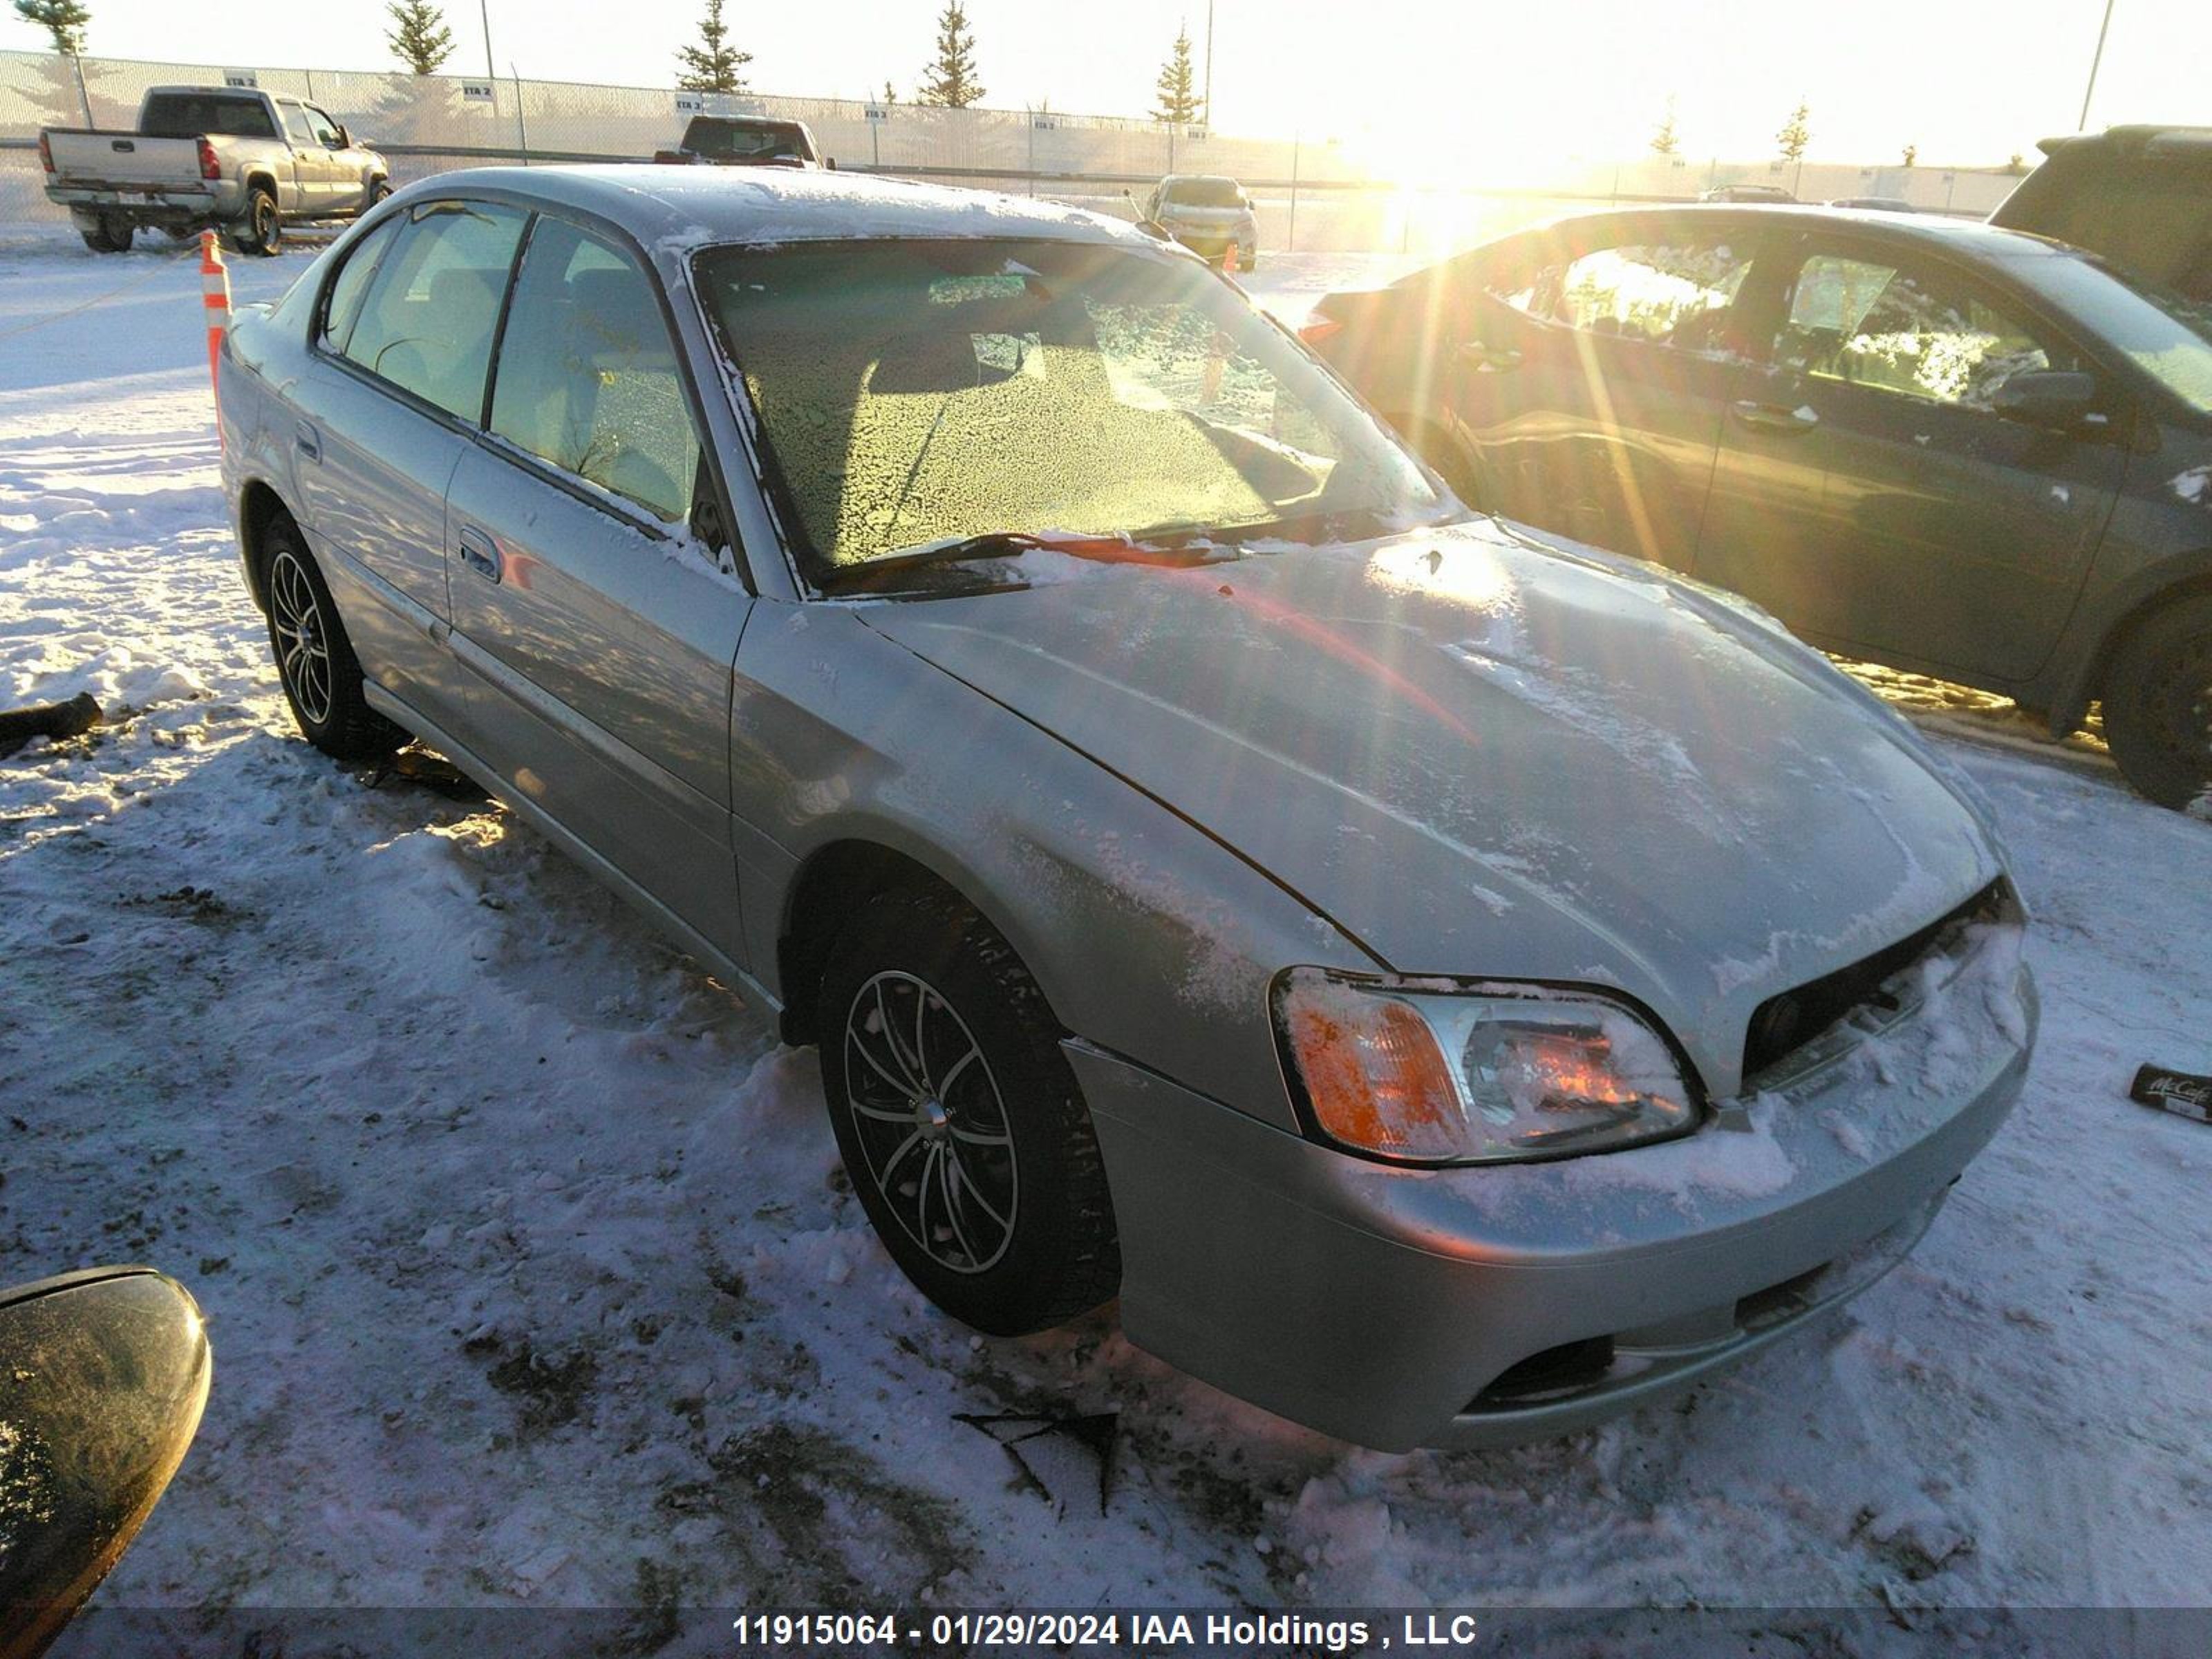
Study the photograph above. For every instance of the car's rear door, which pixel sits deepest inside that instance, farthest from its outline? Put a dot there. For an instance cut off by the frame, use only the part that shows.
(1868, 492)
(596, 606)
(1588, 393)
(403, 342)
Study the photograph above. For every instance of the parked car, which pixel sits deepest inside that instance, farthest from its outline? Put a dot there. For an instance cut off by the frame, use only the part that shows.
(1961, 451)
(1874, 204)
(1747, 194)
(1454, 986)
(744, 140)
(2141, 196)
(244, 162)
(1208, 214)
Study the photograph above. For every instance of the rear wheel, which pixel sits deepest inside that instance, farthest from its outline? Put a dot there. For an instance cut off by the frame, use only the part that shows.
(960, 1122)
(260, 231)
(2158, 704)
(315, 658)
(107, 234)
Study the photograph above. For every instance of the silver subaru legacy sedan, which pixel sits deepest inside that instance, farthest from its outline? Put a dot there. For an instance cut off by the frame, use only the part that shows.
(1452, 985)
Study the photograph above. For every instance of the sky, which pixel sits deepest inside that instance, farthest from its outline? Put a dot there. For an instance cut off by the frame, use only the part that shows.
(1966, 82)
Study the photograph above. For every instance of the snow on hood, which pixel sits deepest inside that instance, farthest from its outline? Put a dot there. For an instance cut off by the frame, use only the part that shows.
(1479, 757)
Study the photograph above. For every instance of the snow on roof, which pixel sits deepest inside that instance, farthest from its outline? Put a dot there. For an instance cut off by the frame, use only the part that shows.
(680, 206)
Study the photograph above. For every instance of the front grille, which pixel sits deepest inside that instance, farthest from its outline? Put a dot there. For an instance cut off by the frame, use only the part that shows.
(1784, 1024)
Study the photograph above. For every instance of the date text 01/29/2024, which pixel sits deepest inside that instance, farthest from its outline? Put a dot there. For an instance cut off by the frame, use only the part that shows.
(1104, 1630)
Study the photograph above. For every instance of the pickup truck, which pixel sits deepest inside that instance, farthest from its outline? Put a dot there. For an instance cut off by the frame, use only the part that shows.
(744, 140)
(244, 160)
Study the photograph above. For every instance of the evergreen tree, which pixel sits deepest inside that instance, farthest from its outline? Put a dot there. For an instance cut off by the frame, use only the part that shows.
(951, 81)
(64, 21)
(1178, 92)
(1794, 137)
(891, 93)
(419, 37)
(712, 66)
(1664, 139)
(1911, 155)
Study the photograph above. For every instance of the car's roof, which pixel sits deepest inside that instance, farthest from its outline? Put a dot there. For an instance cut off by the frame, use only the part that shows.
(694, 207)
(1970, 237)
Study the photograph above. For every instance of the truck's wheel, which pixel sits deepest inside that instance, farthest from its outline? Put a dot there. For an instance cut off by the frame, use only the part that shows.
(378, 189)
(107, 234)
(261, 232)
(2158, 704)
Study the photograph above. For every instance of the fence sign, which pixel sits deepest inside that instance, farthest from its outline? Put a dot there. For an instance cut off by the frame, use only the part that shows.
(240, 78)
(691, 103)
(878, 113)
(476, 92)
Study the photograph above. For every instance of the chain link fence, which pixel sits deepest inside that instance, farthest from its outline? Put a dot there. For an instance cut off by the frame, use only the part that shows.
(1310, 190)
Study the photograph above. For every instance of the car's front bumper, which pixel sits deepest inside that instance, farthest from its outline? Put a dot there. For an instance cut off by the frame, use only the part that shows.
(1388, 1305)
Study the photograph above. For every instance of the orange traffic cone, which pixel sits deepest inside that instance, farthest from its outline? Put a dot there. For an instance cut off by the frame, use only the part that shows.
(1229, 261)
(215, 295)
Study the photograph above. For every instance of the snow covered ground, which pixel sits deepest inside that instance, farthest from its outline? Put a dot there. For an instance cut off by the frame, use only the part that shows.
(533, 1280)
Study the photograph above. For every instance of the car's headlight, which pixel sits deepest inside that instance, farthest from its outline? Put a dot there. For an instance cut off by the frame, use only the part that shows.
(1429, 1072)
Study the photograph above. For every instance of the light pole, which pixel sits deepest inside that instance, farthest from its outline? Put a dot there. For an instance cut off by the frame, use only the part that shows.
(1206, 99)
(491, 70)
(2090, 91)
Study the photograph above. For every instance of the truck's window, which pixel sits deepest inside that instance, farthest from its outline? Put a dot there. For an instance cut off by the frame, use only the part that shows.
(296, 126)
(215, 114)
(343, 309)
(588, 378)
(426, 322)
(723, 140)
(324, 129)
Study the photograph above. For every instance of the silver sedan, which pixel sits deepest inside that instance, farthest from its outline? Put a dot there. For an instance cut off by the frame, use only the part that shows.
(1451, 985)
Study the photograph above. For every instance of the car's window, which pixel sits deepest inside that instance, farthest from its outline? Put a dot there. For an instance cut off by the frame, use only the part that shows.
(1868, 322)
(191, 114)
(350, 286)
(2165, 335)
(587, 376)
(1676, 293)
(324, 129)
(296, 126)
(1206, 192)
(426, 322)
(909, 392)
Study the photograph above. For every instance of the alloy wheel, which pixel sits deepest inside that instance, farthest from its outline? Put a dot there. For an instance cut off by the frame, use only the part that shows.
(931, 1122)
(303, 651)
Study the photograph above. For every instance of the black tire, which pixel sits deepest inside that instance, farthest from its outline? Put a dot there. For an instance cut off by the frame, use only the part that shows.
(315, 660)
(378, 189)
(2158, 703)
(1020, 1235)
(109, 234)
(261, 231)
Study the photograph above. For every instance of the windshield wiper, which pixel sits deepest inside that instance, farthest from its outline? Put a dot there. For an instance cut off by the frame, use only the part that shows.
(1011, 544)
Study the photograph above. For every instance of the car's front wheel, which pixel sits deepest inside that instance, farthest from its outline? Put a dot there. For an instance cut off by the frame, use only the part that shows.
(260, 230)
(961, 1124)
(2158, 704)
(315, 660)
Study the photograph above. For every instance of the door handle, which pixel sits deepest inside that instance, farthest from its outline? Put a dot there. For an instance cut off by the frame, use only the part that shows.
(1488, 356)
(482, 555)
(1773, 417)
(309, 440)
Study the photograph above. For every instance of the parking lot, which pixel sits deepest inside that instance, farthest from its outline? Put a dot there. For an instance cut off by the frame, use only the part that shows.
(534, 1279)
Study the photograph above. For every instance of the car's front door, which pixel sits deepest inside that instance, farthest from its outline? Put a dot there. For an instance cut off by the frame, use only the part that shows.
(379, 422)
(1871, 496)
(345, 188)
(594, 602)
(1588, 393)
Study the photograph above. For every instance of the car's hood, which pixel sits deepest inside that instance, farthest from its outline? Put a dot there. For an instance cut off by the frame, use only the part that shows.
(1478, 756)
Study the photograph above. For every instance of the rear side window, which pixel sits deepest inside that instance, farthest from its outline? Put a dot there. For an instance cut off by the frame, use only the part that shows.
(588, 380)
(426, 323)
(1677, 293)
(216, 114)
(296, 126)
(343, 309)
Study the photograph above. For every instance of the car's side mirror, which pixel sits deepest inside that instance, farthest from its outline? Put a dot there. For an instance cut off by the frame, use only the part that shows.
(2057, 398)
(104, 1376)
